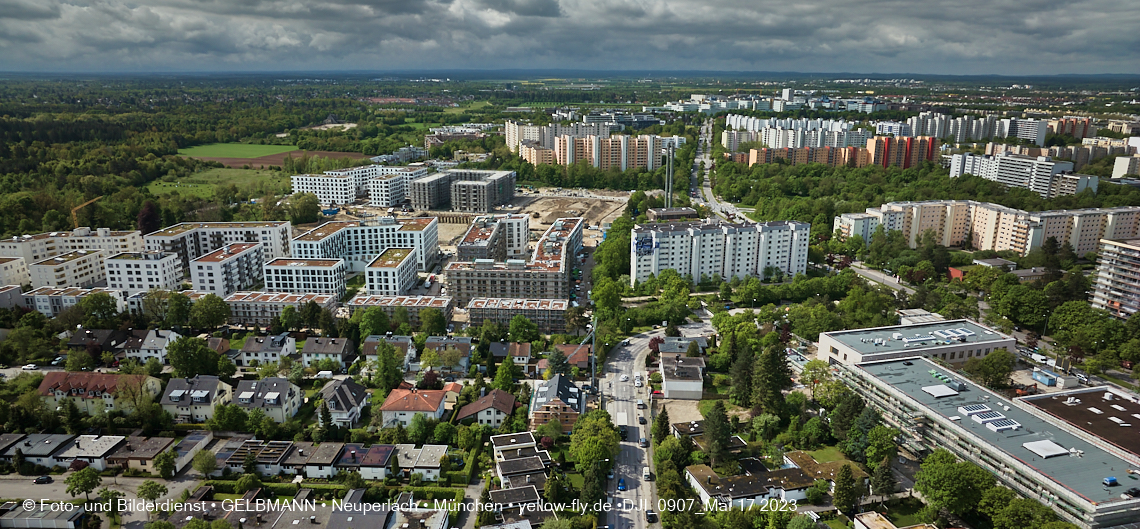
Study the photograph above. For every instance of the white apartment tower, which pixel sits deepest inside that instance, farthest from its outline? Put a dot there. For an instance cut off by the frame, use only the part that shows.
(1040, 174)
(359, 242)
(330, 189)
(191, 240)
(301, 276)
(136, 272)
(710, 248)
(79, 268)
(392, 273)
(228, 269)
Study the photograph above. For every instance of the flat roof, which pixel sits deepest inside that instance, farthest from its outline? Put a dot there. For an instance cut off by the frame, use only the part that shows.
(880, 340)
(280, 298)
(330, 174)
(391, 258)
(1082, 475)
(558, 305)
(416, 223)
(365, 300)
(324, 230)
(316, 263)
(184, 227)
(480, 232)
(9, 259)
(225, 253)
(1075, 408)
(67, 257)
(141, 256)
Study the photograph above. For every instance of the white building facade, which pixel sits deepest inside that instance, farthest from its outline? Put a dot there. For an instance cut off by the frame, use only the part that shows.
(78, 268)
(392, 273)
(136, 272)
(330, 189)
(14, 271)
(229, 269)
(300, 276)
(359, 242)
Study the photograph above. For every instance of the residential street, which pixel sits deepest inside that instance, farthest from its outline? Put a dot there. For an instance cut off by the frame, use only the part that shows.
(17, 486)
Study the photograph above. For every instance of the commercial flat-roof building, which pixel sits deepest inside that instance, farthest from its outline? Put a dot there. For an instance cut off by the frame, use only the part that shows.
(136, 272)
(302, 276)
(1117, 287)
(953, 341)
(496, 237)
(412, 304)
(1039, 457)
(259, 308)
(228, 269)
(32, 248)
(711, 248)
(392, 273)
(78, 268)
(548, 314)
(191, 240)
(546, 276)
(359, 242)
(14, 271)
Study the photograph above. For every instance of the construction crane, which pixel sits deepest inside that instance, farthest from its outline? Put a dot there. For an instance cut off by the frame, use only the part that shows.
(74, 210)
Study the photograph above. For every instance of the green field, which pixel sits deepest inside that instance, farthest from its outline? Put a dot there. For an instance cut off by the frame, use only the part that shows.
(235, 150)
(475, 105)
(827, 454)
(202, 184)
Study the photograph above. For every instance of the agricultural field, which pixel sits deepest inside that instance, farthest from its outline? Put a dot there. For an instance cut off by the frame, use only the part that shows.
(202, 184)
(234, 150)
(474, 105)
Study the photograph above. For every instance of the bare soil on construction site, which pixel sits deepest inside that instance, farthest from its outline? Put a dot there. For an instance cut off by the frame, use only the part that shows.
(544, 211)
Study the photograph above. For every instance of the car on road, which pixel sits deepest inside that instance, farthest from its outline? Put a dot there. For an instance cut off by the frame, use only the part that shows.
(31, 367)
(624, 378)
(42, 480)
(644, 443)
(641, 420)
(650, 516)
(624, 432)
(610, 474)
(621, 484)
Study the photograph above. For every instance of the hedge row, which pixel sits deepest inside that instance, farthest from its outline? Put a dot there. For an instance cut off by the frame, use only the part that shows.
(228, 487)
(188, 427)
(457, 477)
(434, 493)
(473, 463)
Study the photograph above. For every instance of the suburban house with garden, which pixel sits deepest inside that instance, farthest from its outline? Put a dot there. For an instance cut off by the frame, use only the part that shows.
(491, 409)
(138, 453)
(266, 350)
(403, 404)
(145, 345)
(339, 350)
(95, 393)
(557, 399)
(276, 396)
(90, 450)
(346, 400)
(193, 400)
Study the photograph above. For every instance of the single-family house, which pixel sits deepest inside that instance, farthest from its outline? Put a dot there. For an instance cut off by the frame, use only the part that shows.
(95, 393)
(277, 397)
(557, 399)
(266, 350)
(456, 350)
(91, 449)
(345, 400)
(491, 409)
(39, 448)
(403, 404)
(416, 518)
(192, 400)
(424, 461)
(577, 355)
(151, 344)
(451, 392)
(100, 339)
(340, 350)
(376, 461)
(405, 348)
(511, 441)
(139, 452)
(312, 460)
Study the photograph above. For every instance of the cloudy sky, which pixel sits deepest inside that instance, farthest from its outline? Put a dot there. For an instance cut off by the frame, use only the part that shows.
(912, 36)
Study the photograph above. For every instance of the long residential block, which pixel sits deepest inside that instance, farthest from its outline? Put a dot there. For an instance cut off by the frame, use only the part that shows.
(191, 240)
(78, 268)
(412, 305)
(228, 269)
(38, 247)
(300, 276)
(712, 248)
(136, 272)
(545, 276)
(359, 242)
(1117, 287)
(1041, 174)
(259, 308)
(548, 314)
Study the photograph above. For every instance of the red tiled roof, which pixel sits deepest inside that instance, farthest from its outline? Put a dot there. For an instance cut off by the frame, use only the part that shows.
(414, 400)
(519, 349)
(453, 386)
(575, 354)
(98, 382)
(496, 398)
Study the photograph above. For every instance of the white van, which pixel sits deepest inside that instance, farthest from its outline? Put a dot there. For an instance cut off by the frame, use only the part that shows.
(645, 473)
(640, 404)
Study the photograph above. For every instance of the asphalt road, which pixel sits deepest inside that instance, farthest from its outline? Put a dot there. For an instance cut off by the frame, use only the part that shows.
(881, 278)
(722, 209)
(16, 486)
(621, 403)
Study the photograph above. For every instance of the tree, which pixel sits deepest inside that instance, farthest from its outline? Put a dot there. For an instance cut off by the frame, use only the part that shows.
(326, 415)
(432, 322)
(191, 356)
(845, 496)
(81, 360)
(373, 322)
(766, 426)
(771, 377)
(523, 330)
(164, 464)
(247, 483)
(84, 481)
(594, 439)
(802, 521)
(661, 427)
(290, 320)
(156, 304)
(353, 480)
(100, 310)
(742, 369)
(883, 479)
(815, 372)
(956, 486)
(506, 374)
(451, 357)
(992, 370)
(205, 462)
(149, 219)
(151, 490)
(304, 208)
(210, 312)
(557, 364)
(694, 350)
(178, 310)
(881, 445)
(725, 292)
(717, 433)
(430, 359)
(419, 429)
(227, 417)
(111, 497)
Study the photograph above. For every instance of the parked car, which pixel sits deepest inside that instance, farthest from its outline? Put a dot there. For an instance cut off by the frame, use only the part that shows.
(641, 420)
(650, 516)
(624, 378)
(644, 442)
(621, 484)
(42, 480)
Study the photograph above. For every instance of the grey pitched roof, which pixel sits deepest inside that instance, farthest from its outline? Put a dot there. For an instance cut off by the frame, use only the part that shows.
(257, 392)
(340, 346)
(343, 395)
(199, 386)
(499, 349)
(559, 387)
(265, 344)
(40, 444)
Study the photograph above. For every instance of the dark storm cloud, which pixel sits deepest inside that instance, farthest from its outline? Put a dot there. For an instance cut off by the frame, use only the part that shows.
(966, 37)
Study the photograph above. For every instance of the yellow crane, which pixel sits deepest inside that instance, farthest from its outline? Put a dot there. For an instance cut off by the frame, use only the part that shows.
(74, 210)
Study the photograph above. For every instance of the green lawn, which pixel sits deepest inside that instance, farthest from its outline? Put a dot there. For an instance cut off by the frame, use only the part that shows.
(705, 406)
(837, 523)
(461, 108)
(903, 512)
(235, 150)
(828, 454)
(219, 496)
(576, 479)
(201, 184)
